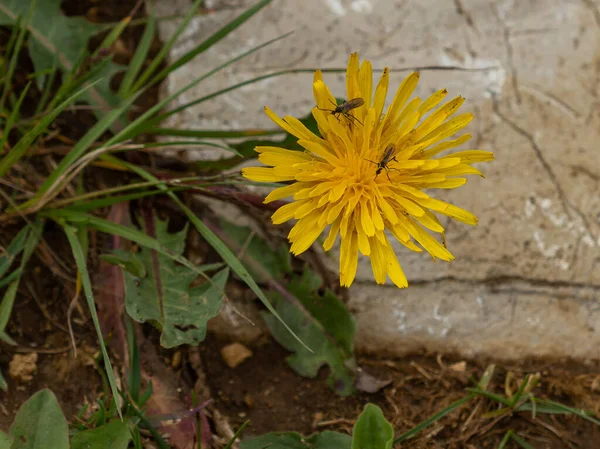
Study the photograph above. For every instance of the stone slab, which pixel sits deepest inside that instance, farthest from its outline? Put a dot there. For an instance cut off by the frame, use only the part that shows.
(526, 282)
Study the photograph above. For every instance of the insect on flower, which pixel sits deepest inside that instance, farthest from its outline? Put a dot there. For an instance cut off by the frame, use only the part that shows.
(388, 155)
(336, 193)
(345, 108)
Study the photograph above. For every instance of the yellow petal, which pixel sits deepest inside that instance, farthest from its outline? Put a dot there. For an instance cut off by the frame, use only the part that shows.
(394, 270)
(363, 240)
(472, 156)
(365, 83)
(431, 245)
(333, 232)
(403, 93)
(365, 219)
(285, 213)
(430, 221)
(381, 93)
(265, 174)
(284, 192)
(304, 233)
(432, 101)
(410, 207)
(348, 259)
(449, 210)
(426, 154)
(283, 157)
(306, 208)
(321, 149)
(450, 183)
(352, 89)
(449, 128)
(378, 262)
(300, 131)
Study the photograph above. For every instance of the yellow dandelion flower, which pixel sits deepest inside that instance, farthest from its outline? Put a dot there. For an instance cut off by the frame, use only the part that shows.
(367, 171)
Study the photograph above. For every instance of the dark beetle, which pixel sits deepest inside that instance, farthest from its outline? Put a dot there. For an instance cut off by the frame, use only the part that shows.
(345, 108)
(388, 155)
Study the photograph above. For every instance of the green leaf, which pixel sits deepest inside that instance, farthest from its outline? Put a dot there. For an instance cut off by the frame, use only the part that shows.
(40, 424)
(323, 323)
(126, 260)
(293, 440)
(213, 240)
(114, 435)
(372, 430)
(331, 440)
(284, 440)
(164, 297)
(55, 37)
(262, 261)
(4, 440)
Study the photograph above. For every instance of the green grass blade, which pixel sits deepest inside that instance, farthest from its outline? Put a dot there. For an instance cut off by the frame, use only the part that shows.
(521, 442)
(545, 406)
(161, 117)
(216, 37)
(517, 396)
(136, 126)
(13, 249)
(89, 206)
(429, 421)
(13, 117)
(505, 440)
(79, 149)
(115, 31)
(16, 51)
(237, 434)
(211, 133)
(162, 54)
(31, 242)
(139, 57)
(89, 295)
(48, 85)
(488, 395)
(25, 142)
(226, 254)
(108, 227)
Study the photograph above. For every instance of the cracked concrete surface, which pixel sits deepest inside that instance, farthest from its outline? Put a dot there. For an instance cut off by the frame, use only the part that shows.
(526, 281)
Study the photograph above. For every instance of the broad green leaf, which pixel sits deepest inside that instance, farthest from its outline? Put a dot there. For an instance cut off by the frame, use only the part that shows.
(213, 240)
(330, 440)
(164, 296)
(4, 439)
(56, 38)
(283, 440)
(40, 424)
(293, 440)
(262, 261)
(372, 430)
(126, 260)
(114, 435)
(324, 324)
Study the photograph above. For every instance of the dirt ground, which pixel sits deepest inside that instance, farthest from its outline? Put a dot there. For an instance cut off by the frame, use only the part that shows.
(264, 389)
